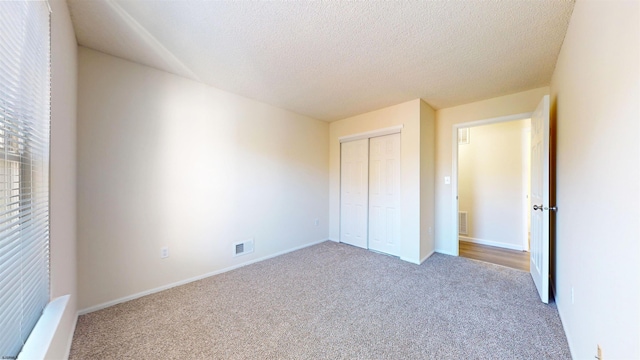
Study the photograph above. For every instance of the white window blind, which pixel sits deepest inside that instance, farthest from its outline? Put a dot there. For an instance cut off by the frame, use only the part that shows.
(24, 169)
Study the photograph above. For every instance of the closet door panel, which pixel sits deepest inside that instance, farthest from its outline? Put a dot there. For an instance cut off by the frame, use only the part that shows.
(354, 192)
(384, 194)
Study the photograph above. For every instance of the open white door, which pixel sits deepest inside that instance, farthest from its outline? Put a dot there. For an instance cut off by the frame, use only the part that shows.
(354, 192)
(539, 266)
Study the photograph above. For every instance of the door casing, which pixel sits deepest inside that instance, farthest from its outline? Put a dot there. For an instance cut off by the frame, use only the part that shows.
(453, 241)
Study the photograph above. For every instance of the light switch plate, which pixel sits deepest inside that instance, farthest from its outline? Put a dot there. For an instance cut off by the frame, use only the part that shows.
(447, 180)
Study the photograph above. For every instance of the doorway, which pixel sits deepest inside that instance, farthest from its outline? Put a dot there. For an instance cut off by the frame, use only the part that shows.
(491, 190)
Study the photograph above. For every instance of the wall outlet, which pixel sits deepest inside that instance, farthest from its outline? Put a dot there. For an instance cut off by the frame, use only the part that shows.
(317, 222)
(430, 230)
(164, 252)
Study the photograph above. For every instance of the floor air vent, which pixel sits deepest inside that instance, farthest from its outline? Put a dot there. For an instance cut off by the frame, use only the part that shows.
(241, 248)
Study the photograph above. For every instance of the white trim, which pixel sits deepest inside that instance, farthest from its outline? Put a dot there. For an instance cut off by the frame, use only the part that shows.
(409, 260)
(39, 341)
(495, 120)
(426, 257)
(445, 252)
(491, 243)
(192, 279)
(373, 133)
(454, 169)
(454, 191)
(526, 173)
(567, 333)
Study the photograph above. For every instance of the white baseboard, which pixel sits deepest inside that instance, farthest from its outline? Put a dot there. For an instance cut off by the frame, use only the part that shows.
(491, 243)
(409, 260)
(192, 279)
(426, 257)
(564, 327)
(70, 341)
(445, 252)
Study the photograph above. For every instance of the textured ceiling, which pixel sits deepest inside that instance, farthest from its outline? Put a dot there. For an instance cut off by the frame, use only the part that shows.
(331, 60)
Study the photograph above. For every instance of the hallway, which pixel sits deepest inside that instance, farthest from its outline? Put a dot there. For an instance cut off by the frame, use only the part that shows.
(495, 255)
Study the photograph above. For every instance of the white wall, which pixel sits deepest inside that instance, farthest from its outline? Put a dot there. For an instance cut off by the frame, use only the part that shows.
(595, 95)
(407, 114)
(166, 161)
(490, 184)
(518, 103)
(62, 219)
(427, 179)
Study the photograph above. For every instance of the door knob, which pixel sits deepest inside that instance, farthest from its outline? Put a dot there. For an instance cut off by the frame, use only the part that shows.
(552, 208)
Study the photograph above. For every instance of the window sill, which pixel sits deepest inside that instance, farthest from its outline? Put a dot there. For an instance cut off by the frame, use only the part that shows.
(39, 341)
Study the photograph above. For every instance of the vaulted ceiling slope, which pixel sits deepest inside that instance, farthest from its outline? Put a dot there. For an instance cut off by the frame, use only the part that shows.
(334, 59)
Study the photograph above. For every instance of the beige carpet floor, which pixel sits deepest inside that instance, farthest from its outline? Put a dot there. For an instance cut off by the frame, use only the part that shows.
(334, 301)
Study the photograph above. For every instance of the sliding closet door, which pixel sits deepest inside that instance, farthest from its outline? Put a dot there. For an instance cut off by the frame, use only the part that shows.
(384, 194)
(354, 192)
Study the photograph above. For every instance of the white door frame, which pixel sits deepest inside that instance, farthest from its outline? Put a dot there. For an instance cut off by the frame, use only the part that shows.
(454, 170)
(526, 175)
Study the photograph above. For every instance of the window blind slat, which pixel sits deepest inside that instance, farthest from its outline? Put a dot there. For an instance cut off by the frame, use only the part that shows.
(10, 223)
(24, 169)
(9, 257)
(17, 241)
(9, 279)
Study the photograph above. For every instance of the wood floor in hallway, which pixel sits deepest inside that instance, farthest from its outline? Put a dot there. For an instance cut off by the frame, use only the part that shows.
(495, 255)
